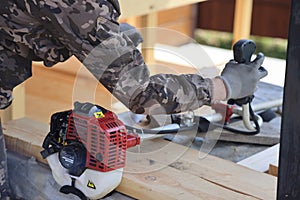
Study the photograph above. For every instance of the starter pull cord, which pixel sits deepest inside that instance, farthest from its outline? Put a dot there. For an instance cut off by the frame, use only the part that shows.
(253, 117)
(248, 116)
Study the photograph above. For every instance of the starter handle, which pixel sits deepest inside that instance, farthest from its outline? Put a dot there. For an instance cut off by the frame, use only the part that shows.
(243, 51)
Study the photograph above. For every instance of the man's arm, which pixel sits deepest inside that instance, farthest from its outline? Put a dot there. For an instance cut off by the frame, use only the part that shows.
(219, 92)
(95, 39)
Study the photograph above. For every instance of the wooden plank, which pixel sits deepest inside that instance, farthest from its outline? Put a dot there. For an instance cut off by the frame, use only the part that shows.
(25, 137)
(221, 172)
(261, 161)
(273, 170)
(171, 183)
(289, 162)
(129, 8)
(163, 170)
(242, 20)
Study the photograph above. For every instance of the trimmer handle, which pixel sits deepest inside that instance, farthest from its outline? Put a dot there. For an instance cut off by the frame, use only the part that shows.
(242, 53)
(243, 50)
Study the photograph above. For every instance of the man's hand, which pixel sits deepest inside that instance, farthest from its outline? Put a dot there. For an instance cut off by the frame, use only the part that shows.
(241, 79)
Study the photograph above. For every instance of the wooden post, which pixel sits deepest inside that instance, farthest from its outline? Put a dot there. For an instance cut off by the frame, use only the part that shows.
(149, 22)
(242, 19)
(289, 162)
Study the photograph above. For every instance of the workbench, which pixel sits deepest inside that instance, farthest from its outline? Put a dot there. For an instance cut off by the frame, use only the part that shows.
(159, 169)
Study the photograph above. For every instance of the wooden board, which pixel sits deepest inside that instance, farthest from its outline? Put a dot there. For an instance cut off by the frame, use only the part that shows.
(158, 169)
(273, 170)
(25, 137)
(215, 170)
(261, 161)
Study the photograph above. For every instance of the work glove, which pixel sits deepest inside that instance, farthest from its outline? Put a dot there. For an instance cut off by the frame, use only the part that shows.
(132, 33)
(241, 79)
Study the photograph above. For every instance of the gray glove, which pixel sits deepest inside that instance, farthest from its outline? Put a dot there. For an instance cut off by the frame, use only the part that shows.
(132, 33)
(241, 79)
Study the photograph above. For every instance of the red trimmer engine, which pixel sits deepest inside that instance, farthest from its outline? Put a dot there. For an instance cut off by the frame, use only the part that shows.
(86, 150)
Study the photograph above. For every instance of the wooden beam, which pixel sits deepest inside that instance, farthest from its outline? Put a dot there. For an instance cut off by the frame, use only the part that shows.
(289, 162)
(273, 169)
(242, 20)
(159, 169)
(131, 8)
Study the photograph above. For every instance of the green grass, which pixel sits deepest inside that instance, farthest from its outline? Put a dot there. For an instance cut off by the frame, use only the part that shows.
(271, 47)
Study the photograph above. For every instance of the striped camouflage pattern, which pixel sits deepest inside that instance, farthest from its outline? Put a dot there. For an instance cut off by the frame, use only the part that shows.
(53, 30)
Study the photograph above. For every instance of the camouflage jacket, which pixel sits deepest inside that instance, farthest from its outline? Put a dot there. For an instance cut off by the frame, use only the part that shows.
(51, 31)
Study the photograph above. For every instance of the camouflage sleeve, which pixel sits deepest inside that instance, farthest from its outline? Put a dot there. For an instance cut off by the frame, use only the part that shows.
(14, 69)
(124, 73)
(92, 34)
